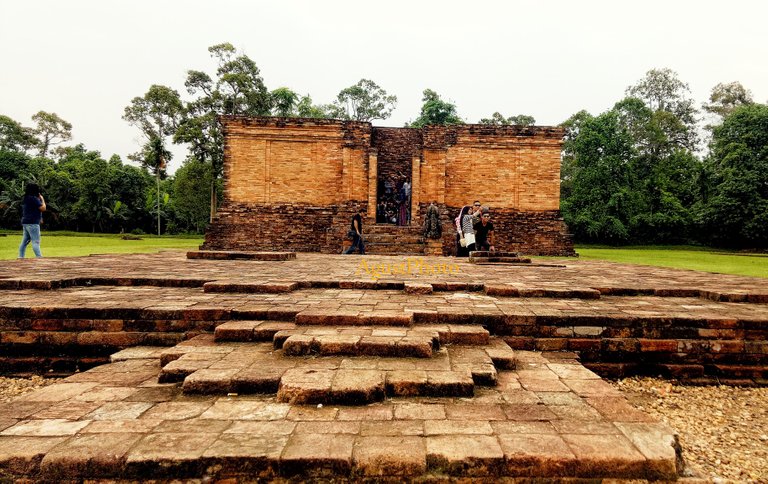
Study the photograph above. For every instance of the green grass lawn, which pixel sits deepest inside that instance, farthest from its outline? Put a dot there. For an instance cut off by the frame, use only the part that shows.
(70, 244)
(681, 257)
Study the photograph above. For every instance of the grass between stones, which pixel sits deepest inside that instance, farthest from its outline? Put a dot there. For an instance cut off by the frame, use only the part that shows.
(682, 257)
(72, 244)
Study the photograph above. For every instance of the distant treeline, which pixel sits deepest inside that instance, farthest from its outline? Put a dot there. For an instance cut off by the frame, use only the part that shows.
(655, 168)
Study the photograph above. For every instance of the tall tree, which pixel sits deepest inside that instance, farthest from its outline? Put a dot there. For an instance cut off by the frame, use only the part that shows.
(435, 111)
(727, 97)
(237, 89)
(157, 115)
(14, 136)
(604, 198)
(50, 130)
(190, 195)
(364, 101)
(735, 212)
(498, 119)
(239, 82)
(284, 102)
(305, 109)
(669, 99)
(568, 161)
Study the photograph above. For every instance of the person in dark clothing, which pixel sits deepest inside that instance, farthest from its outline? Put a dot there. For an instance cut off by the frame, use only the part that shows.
(484, 231)
(32, 208)
(356, 229)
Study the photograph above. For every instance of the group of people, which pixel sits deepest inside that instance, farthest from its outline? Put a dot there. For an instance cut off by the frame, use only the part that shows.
(474, 229)
(394, 206)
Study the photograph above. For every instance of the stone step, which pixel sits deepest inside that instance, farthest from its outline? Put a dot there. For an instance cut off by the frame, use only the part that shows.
(247, 331)
(394, 238)
(392, 229)
(208, 367)
(504, 260)
(416, 342)
(386, 343)
(552, 422)
(495, 253)
(240, 255)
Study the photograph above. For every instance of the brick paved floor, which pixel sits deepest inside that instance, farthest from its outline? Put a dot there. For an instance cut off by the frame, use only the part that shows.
(354, 327)
(546, 419)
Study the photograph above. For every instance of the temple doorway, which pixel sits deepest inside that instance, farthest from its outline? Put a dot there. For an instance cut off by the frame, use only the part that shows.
(396, 148)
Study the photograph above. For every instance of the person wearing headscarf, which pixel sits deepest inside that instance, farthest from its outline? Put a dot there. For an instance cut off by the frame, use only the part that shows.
(32, 208)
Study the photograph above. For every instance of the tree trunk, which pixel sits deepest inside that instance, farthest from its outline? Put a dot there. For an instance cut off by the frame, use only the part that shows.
(213, 200)
(157, 176)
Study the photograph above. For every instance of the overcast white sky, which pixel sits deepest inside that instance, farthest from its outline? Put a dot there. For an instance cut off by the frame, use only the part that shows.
(86, 59)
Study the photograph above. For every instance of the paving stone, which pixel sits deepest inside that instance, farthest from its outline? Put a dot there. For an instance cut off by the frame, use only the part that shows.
(255, 456)
(457, 427)
(235, 409)
(68, 410)
(377, 456)
(101, 454)
(45, 428)
(136, 352)
(605, 455)
(139, 426)
(58, 392)
(119, 410)
(236, 331)
(256, 379)
(658, 444)
(419, 411)
(476, 411)
(317, 456)
(175, 410)
(270, 428)
(305, 386)
(356, 387)
(539, 455)
(168, 454)
(21, 455)
(470, 455)
(208, 381)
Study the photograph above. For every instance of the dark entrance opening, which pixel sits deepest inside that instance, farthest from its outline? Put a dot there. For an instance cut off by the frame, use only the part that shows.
(396, 148)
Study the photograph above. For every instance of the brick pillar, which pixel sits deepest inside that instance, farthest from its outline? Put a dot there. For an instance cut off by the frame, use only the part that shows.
(372, 183)
(415, 189)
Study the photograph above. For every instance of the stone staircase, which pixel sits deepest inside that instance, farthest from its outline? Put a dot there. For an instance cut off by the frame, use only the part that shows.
(339, 364)
(393, 239)
(497, 258)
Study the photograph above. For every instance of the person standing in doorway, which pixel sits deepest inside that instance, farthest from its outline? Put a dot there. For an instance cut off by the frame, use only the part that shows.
(32, 208)
(356, 230)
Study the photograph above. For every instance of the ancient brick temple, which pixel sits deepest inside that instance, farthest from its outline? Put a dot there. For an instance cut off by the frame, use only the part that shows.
(294, 184)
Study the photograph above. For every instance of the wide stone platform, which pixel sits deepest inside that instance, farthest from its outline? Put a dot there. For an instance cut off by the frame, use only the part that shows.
(549, 418)
(350, 367)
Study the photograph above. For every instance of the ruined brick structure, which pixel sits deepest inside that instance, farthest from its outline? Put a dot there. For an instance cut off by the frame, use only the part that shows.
(294, 183)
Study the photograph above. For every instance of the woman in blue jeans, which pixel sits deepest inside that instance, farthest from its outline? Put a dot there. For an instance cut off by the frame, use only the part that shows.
(32, 208)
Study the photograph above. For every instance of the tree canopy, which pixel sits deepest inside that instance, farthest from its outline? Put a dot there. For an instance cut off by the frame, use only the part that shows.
(436, 111)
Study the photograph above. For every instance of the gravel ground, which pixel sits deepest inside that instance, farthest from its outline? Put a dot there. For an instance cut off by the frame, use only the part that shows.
(723, 430)
(11, 388)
